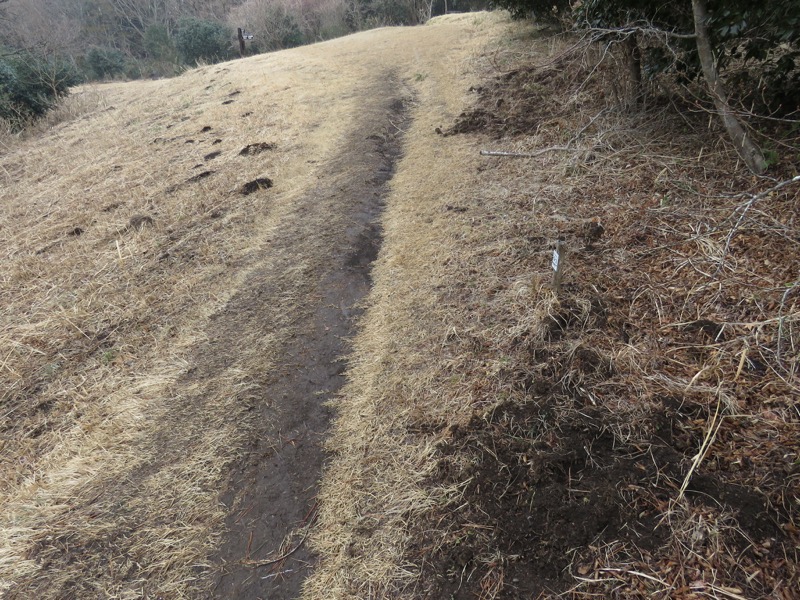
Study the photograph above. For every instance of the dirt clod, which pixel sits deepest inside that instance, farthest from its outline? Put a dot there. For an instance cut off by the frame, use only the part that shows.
(260, 183)
(257, 148)
(140, 222)
(199, 176)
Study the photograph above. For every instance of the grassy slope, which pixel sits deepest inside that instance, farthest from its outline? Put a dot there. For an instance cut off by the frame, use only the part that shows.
(113, 445)
(469, 374)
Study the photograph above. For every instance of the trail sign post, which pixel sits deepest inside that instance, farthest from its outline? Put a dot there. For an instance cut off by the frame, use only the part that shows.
(243, 36)
(559, 255)
(240, 36)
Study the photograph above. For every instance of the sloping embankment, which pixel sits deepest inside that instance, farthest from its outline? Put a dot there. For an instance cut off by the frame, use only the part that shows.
(138, 359)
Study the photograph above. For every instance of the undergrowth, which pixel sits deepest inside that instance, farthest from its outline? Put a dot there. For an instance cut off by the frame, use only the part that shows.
(636, 434)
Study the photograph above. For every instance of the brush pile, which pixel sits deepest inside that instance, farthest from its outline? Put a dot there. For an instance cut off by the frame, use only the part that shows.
(636, 434)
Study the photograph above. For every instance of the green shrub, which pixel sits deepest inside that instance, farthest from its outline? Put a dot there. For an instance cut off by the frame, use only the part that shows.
(159, 45)
(133, 70)
(198, 39)
(31, 84)
(8, 81)
(105, 63)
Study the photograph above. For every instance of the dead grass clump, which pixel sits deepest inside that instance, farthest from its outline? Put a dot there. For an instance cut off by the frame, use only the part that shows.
(79, 103)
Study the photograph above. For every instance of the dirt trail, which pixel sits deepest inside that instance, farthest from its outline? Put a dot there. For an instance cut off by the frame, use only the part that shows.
(272, 489)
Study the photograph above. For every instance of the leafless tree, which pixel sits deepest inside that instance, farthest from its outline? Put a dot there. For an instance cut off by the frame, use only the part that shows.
(45, 25)
(747, 149)
(275, 21)
(140, 14)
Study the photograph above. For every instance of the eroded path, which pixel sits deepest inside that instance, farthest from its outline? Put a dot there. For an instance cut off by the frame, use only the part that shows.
(272, 489)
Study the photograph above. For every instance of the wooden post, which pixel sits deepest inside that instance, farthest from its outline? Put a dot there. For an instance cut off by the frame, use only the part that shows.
(559, 256)
(240, 35)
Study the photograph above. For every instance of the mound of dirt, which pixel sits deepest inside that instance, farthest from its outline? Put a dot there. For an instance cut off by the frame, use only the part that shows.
(541, 492)
(259, 183)
(512, 104)
(257, 148)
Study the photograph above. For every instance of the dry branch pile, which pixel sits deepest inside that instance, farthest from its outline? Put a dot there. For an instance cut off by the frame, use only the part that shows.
(637, 434)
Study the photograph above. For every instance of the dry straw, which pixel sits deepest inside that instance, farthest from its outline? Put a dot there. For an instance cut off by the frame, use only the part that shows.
(660, 320)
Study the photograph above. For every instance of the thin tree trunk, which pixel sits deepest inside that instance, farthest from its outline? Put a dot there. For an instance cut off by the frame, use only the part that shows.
(747, 149)
(633, 61)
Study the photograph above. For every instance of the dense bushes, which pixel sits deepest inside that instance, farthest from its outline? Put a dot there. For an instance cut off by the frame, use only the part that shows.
(278, 24)
(745, 56)
(755, 46)
(104, 63)
(202, 40)
(30, 84)
(159, 46)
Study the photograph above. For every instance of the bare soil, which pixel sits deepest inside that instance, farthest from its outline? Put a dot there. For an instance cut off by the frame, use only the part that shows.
(271, 495)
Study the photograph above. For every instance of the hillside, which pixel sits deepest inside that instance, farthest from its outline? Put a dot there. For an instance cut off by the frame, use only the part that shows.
(221, 287)
(168, 259)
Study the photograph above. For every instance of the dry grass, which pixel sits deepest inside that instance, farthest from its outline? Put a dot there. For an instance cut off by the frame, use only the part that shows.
(123, 401)
(81, 101)
(122, 404)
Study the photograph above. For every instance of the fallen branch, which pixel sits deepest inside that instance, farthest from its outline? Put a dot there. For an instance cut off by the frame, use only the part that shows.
(781, 320)
(280, 559)
(523, 154)
(637, 573)
(711, 435)
(266, 563)
(641, 27)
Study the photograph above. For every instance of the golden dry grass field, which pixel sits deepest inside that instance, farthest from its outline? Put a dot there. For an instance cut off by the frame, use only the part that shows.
(126, 239)
(214, 284)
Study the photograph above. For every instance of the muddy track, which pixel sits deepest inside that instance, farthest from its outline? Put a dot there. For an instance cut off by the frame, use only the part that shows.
(271, 490)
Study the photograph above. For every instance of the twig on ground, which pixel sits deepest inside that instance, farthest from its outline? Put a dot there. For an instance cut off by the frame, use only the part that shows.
(711, 434)
(309, 519)
(523, 154)
(781, 320)
(266, 563)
